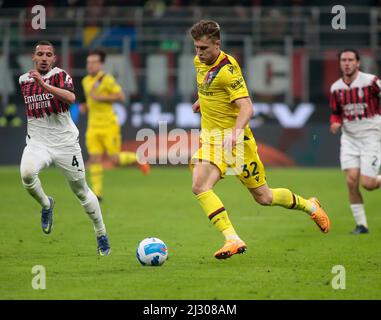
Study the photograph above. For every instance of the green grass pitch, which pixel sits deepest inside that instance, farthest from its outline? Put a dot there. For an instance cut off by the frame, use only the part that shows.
(287, 258)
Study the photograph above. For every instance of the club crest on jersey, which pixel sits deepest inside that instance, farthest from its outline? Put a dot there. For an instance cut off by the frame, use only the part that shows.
(68, 80)
(212, 74)
(360, 93)
(209, 78)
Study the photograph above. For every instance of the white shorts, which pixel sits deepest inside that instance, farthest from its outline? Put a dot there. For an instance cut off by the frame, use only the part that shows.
(361, 153)
(69, 159)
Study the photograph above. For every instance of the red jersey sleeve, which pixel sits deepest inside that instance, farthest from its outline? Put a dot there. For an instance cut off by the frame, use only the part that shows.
(64, 81)
(376, 86)
(336, 110)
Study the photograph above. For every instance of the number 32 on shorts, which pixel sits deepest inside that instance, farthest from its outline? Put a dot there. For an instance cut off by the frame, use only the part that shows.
(253, 174)
(253, 170)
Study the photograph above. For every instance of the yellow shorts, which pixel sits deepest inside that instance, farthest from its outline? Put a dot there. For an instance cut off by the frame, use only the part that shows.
(104, 140)
(244, 162)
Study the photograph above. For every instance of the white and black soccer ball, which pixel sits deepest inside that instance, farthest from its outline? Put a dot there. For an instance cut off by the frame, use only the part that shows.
(152, 252)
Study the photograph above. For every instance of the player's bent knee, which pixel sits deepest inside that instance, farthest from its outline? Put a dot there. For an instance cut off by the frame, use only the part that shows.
(80, 189)
(369, 185)
(114, 159)
(198, 188)
(262, 196)
(263, 199)
(28, 176)
(81, 194)
(352, 182)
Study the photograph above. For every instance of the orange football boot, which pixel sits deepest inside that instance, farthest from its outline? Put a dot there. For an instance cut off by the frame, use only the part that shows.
(145, 168)
(230, 247)
(320, 217)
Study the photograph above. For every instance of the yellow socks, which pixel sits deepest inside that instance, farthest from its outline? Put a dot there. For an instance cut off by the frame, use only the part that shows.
(96, 178)
(126, 158)
(214, 209)
(287, 199)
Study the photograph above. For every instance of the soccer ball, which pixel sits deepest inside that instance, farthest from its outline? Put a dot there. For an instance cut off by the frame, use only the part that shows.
(152, 252)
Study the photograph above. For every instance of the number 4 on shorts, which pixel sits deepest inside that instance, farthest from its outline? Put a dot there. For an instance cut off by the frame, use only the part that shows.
(75, 162)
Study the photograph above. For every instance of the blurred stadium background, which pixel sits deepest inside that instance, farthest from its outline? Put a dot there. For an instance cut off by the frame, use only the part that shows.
(287, 50)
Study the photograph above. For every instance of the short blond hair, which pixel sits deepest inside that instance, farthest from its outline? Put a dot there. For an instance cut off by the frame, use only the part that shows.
(208, 28)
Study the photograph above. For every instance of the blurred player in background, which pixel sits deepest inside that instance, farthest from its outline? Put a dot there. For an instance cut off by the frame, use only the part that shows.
(355, 109)
(53, 138)
(225, 104)
(103, 131)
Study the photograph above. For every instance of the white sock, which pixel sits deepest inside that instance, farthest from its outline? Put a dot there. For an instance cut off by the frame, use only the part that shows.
(90, 203)
(379, 180)
(36, 191)
(93, 210)
(358, 212)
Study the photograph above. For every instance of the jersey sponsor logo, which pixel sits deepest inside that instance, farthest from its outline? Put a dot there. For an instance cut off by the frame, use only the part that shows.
(203, 89)
(237, 84)
(38, 101)
(38, 97)
(38, 105)
(355, 109)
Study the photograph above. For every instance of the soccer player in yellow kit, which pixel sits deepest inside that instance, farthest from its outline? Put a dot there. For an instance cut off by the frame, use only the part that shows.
(227, 140)
(103, 131)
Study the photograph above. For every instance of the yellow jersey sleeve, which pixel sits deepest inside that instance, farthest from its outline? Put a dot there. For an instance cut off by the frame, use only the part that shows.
(111, 85)
(233, 82)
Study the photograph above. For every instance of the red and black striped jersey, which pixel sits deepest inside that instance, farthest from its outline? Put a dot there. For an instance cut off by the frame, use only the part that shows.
(49, 119)
(355, 101)
(39, 102)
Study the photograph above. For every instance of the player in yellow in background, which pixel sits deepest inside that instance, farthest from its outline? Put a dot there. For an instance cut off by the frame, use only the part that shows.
(103, 134)
(227, 140)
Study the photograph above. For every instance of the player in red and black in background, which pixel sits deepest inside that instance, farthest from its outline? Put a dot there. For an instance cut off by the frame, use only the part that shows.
(355, 109)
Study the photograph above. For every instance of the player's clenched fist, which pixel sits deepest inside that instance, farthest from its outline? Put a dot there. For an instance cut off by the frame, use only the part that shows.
(37, 77)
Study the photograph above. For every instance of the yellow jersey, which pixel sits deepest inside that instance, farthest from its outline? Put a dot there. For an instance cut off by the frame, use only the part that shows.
(218, 86)
(101, 114)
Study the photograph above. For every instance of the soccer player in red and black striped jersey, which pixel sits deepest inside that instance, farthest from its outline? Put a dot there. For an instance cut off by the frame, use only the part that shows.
(356, 110)
(53, 139)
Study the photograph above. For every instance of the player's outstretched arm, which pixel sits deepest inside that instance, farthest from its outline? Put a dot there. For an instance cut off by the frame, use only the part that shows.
(61, 94)
(245, 113)
(111, 97)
